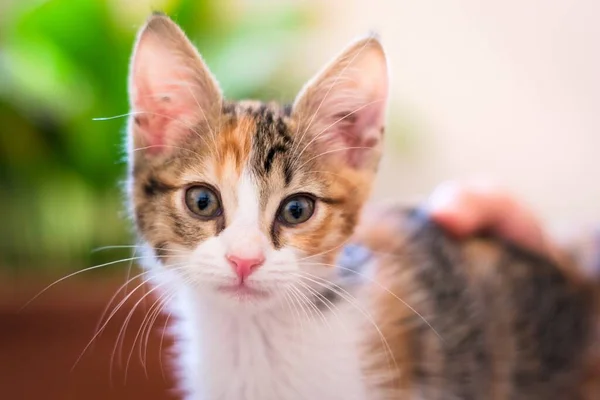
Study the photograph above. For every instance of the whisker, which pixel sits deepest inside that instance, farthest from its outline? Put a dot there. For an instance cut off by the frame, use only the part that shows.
(412, 309)
(346, 179)
(126, 323)
(289, 306)
(293, 302)
(166, 300)
(312, 305)
(145, 326)
(323, 252)
(353, 302)
(334, 151)
(118, 116)
(177, 120)
(166, 145)
(104, 248)
(123, 288)
(212, 132)
(118, 348)
(112, 314)
(149, 318)
(324, 300)
(160, 346)
(73, 274)
(306, 301)
(107, 321)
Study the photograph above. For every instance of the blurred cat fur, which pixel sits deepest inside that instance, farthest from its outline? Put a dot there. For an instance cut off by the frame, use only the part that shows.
(243, 209)
(509, 324)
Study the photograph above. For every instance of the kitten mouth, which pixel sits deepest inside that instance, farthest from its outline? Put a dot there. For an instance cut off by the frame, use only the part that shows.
(242, 290)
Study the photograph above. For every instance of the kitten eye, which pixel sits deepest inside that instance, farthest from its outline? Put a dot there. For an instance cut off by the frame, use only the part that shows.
(203, 201)
(296, 210)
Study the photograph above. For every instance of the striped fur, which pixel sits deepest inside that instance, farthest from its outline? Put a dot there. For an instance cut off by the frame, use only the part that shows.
(497, 322)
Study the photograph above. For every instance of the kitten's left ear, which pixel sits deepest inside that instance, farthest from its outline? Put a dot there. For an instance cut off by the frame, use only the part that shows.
(342, 110)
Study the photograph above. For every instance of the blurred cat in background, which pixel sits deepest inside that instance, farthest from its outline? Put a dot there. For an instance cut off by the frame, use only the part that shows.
(243, 209)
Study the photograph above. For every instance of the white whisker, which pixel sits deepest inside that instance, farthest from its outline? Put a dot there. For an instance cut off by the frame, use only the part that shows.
(107, 321)
(353, 302)
(313, 306)
(334, 151)
(336, 247)
(76, 273)
(412, 309)
(160, 346)
(297, 306)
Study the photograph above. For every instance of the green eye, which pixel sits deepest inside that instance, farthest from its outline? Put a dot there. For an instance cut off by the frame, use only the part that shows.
(203, 202)
(296, 210)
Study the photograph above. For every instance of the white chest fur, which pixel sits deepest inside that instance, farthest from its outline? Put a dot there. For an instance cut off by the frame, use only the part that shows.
(282, 354)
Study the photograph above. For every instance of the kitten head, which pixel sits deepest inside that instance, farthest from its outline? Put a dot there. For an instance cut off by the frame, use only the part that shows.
(246, 201)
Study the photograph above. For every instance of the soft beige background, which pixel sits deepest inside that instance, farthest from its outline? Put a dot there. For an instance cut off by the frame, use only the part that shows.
(504, 89)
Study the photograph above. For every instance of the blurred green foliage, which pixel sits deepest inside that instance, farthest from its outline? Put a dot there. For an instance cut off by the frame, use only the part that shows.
(64, 63)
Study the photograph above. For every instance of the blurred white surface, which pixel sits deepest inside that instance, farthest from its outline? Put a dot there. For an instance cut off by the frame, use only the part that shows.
(508, 90)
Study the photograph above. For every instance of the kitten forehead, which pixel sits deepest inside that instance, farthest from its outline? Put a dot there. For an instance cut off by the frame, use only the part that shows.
(271, 137)
(252, 135)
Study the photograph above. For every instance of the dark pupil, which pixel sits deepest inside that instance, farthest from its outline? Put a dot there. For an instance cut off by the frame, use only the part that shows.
(295, 209)
(203, 201)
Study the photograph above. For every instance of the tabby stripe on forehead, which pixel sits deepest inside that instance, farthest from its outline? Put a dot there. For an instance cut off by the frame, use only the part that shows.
(271, 141)
(282, 130)
(271, 155)
(287, 173)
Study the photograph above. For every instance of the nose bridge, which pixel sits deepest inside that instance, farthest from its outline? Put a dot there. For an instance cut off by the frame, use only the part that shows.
(243, 235)
(246, 224)
(247, 243)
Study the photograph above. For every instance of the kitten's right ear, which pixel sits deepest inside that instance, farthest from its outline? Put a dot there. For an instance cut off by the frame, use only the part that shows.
(171, 91)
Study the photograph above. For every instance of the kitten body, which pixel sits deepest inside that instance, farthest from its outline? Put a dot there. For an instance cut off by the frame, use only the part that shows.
(243, 208)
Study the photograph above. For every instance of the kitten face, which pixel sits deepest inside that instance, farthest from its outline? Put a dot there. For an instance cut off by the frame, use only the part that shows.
(239, 200)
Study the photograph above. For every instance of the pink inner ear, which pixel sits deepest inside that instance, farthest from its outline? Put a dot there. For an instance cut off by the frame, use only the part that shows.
(154, 120)
(360, 132)
(164, 112)
(152, 139)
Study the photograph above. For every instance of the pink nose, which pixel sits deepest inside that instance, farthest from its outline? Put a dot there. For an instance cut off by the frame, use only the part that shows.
(243, 267)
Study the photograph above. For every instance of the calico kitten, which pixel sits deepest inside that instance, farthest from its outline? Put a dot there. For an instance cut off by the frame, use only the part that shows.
(243, 208)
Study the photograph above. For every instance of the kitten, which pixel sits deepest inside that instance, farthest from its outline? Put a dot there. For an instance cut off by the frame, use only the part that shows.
(243, 208)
